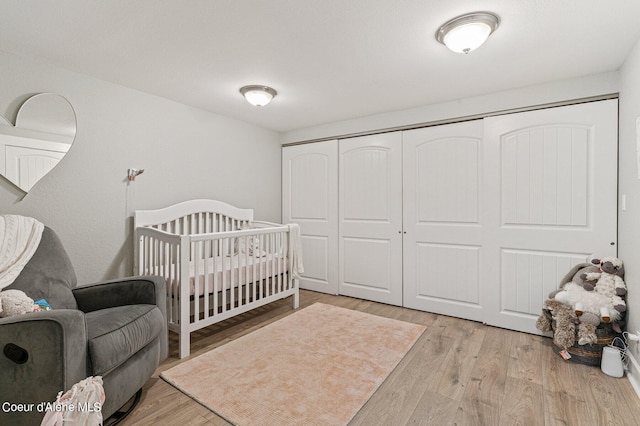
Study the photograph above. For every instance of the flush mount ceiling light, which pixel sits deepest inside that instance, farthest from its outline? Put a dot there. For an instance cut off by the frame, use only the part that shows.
(467, 32)
(258, 95)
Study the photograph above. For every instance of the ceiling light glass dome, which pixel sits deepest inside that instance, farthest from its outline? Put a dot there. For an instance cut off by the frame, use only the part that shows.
(467, 32)
(258, 95)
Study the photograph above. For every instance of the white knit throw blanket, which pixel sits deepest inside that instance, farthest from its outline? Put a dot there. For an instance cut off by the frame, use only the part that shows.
(295, 250)
(19, 239)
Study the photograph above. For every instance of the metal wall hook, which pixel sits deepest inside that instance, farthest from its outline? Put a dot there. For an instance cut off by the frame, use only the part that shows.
(132, 173)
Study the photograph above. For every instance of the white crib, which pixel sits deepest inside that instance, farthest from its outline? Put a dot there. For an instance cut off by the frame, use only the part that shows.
(217, 261)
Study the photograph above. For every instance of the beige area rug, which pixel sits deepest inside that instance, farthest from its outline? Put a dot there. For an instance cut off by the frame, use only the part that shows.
(317, 366)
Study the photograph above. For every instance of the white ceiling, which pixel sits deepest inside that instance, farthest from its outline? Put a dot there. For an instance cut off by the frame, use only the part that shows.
(329, 60)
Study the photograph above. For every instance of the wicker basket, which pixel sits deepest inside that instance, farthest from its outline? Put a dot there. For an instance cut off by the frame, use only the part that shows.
(588, 354)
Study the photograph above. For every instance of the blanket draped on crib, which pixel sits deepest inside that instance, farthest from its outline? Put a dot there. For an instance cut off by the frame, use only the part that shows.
(19, 239)
(296, 250)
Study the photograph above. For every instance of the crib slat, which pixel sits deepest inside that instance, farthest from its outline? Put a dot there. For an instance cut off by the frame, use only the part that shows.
(224, 277)
(246, 277)
(238, 272)
(171, 275)
(162, 270)
(232, 275)
(274, 264)
(145, 242)
(285, 259)
(274, 270)
(166, 274)
(264, 243)
(257, 270)
(176, 280)
(256, 279)
(207, 256)
(269, 266)
(175, 293)
(280, 262)
(178, 295)
(196, 280)
(216, 283)
(277, 260)
(155, 261)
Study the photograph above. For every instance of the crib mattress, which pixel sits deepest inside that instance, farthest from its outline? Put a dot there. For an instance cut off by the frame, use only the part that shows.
(225, 272)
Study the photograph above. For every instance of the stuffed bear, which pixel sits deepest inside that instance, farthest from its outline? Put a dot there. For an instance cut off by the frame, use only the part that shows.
(608, 281)
(613, 269)
(608, 284)
(566, 320)
(604, 296)
(14, 302)
(576, 289)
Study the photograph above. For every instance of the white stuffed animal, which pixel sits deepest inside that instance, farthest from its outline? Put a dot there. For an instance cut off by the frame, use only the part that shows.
(603, 297)
(588, 301)
(14, 302)
(608, 281)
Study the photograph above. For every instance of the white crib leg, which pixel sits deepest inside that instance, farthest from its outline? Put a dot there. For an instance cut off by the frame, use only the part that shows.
(185, 343)
(296, 295)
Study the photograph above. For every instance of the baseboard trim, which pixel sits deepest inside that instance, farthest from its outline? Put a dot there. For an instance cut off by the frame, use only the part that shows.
(633, 373)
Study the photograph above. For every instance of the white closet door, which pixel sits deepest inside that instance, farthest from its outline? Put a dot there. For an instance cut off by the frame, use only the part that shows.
(370, 216)
(550, 195)
(25, 166)
(310, 199)
(443, 220)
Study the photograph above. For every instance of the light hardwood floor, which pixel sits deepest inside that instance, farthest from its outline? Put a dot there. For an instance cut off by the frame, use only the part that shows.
(458, 373)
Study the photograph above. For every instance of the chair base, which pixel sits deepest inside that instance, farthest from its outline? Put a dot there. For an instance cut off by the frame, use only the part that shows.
(120, 415)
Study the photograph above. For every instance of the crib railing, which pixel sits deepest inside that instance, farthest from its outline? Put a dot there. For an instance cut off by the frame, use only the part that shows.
(218, 274)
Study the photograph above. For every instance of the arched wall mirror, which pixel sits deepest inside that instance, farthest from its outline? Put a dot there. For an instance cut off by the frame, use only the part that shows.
(44, 131)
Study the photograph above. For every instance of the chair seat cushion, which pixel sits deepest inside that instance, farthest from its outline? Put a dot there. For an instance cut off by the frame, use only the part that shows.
(115, 334)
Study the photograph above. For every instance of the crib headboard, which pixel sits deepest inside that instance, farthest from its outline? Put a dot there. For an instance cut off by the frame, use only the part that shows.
(194, 217)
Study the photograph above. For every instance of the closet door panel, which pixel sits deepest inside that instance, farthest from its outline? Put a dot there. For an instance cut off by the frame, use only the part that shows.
(442, 219)
(551, 191)
(358, 252)
(25, 166)
(370, 217)
(310, 199)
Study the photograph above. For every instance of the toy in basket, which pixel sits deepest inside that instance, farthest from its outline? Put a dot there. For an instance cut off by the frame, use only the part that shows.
(587, 311)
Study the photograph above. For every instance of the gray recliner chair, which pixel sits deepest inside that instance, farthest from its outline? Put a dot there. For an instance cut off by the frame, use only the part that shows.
(115, 329)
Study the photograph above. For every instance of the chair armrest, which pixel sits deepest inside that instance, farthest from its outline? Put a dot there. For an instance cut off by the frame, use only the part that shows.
(149, 290)
(51, 357)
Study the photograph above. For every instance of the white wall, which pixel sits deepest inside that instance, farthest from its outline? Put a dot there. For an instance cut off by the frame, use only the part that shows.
(629, 186)
(591, 85)
(186, 153)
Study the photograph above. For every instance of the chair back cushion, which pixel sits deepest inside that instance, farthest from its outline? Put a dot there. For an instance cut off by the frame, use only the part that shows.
(49, 274)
